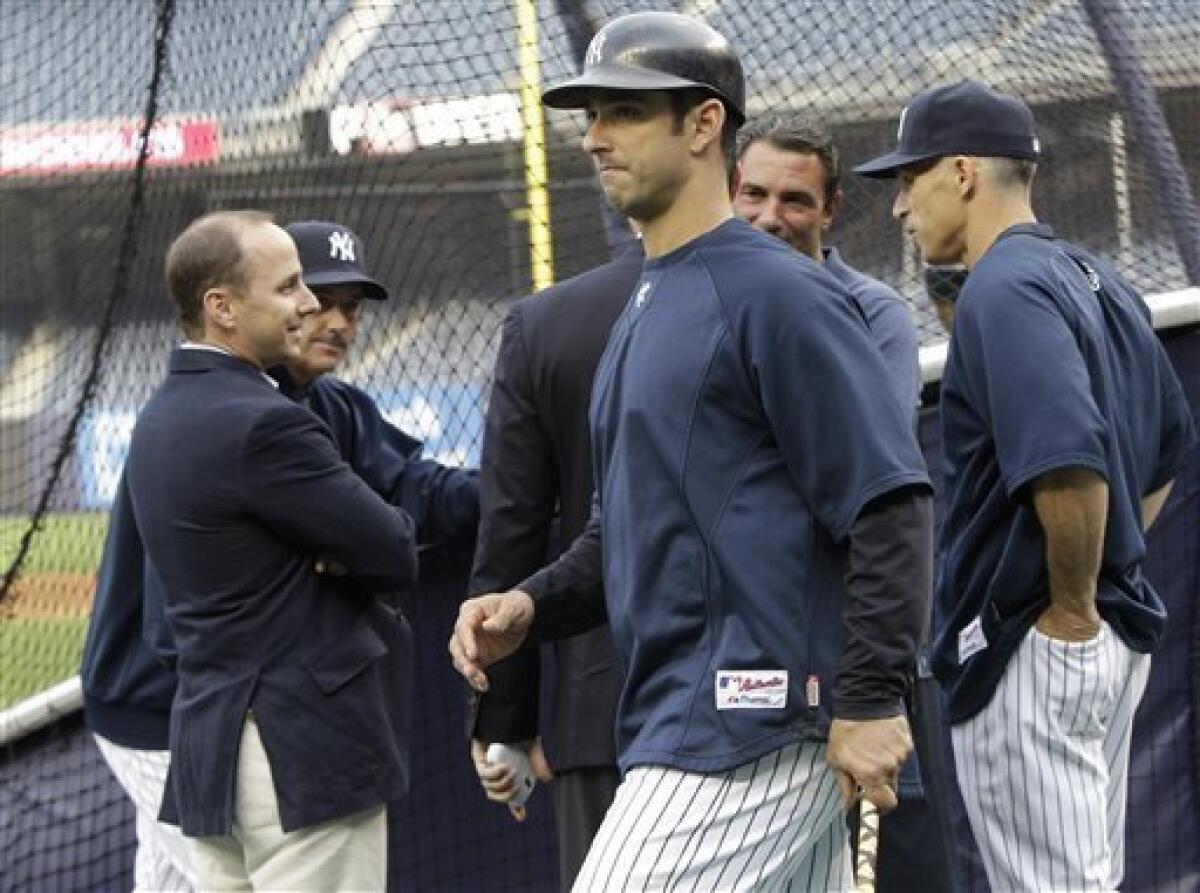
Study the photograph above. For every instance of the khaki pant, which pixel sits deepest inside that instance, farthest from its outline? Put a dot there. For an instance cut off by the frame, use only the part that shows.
(348, 854)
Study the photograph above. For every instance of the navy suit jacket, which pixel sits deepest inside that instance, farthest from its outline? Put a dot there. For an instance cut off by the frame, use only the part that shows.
(237, 490)
(537, 456)
(128, 683)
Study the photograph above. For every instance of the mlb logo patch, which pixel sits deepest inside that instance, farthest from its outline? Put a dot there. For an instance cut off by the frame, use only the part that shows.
(751, 689)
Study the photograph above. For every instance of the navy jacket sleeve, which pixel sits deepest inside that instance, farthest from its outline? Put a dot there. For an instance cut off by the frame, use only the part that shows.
(121, 656)
(442, 501)
(303, 490)
(155, 631)
(517, 474)
(517, 502)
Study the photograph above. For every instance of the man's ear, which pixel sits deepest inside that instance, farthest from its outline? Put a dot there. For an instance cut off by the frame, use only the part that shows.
(966, 173)
(833, 208)
(219, 308)
(708, 118)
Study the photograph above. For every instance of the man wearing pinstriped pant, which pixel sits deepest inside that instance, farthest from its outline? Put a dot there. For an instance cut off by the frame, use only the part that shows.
(1063, 426)
(762, 502)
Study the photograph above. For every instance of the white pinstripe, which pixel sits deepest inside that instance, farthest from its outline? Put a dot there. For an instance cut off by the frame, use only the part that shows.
(162, 863)
(774, 824)
(1044, 767)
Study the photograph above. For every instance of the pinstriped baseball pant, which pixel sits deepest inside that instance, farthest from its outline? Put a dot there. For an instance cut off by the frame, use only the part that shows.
(1044, 767)
(776, 824)
(162, 863)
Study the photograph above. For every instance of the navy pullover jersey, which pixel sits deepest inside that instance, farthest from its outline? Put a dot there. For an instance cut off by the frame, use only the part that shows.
(741, 419)
(1053, 364)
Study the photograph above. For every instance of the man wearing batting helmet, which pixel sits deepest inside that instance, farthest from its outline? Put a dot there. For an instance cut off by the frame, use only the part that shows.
(763, 506)
(1063, 426)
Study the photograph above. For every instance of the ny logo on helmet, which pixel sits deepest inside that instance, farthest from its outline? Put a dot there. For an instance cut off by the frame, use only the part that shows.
(341, 246)
(595, 49)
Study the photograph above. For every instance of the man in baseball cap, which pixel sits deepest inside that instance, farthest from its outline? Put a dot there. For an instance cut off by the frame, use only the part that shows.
(332, 254)
(1063, 427)
(967, 118)
(335, 270)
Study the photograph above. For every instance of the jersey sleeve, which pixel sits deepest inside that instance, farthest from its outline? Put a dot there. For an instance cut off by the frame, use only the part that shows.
(1029, 377)
(828, 399)
(893, 331)
(442, 501)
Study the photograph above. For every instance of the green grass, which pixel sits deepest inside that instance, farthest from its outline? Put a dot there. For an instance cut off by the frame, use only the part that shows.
(36, 654)
(66, 542)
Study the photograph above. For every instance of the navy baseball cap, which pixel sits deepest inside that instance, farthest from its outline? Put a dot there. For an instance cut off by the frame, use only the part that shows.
(331, 254)
(967, 118)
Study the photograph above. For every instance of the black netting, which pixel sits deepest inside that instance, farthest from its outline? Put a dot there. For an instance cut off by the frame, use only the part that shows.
(403, 120)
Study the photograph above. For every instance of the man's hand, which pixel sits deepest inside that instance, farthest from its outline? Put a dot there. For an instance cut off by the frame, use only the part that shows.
(489, 628)
(868, 753)
(499, 781)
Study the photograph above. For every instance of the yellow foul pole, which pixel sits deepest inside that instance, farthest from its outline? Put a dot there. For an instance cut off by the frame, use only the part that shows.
(541, 245)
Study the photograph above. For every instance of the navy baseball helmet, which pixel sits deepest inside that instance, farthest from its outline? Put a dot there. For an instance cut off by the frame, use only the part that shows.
(967, 118)
(332, 254)
(656, 51)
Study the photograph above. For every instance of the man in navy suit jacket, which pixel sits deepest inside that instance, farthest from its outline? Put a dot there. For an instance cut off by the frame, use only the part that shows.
(283, 749)
(127, 687)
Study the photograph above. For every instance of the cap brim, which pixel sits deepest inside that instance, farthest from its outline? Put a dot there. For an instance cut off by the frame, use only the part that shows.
(573, 94)
(886, 166)
(371, 288)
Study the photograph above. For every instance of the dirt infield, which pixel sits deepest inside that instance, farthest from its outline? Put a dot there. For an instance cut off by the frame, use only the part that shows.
(49, 594)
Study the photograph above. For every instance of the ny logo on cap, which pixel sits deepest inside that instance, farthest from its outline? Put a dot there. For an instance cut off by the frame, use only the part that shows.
(900, 129)
(341, 246)
(596, 49)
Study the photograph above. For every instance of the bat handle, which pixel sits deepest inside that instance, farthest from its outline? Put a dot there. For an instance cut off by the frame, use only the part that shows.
(868, 847)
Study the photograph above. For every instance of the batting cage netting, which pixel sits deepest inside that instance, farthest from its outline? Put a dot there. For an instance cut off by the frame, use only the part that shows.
(417, 124)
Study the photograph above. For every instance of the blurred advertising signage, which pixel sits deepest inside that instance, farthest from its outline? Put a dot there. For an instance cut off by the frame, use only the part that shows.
(399, 126)
(96, 145)
(102, 445)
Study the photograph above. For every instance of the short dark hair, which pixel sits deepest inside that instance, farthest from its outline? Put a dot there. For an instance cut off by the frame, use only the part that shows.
(795, 132)
(683, 101)
(207, 254)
